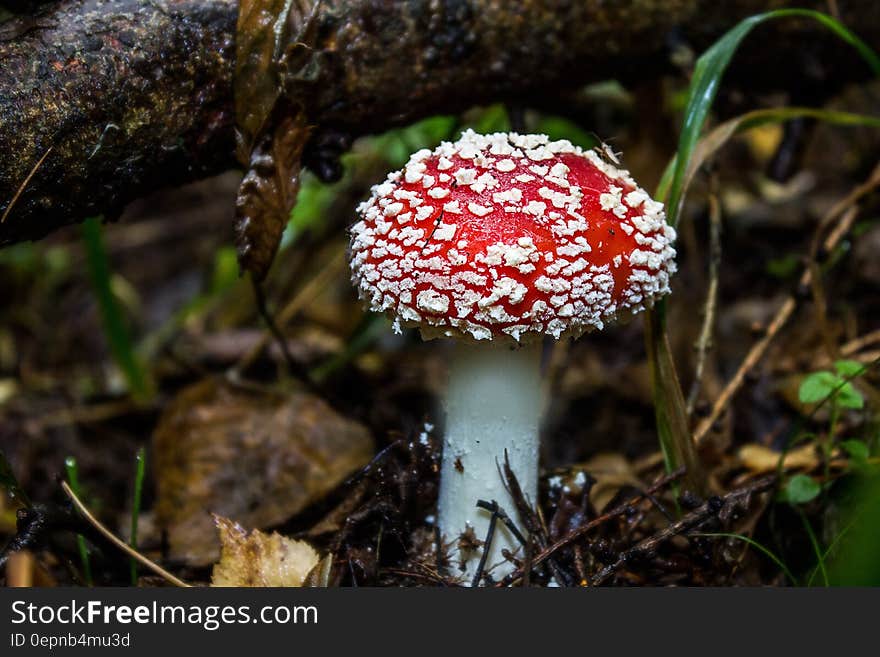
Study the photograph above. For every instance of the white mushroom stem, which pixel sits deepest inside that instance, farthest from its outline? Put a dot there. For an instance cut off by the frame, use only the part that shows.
(493, 403)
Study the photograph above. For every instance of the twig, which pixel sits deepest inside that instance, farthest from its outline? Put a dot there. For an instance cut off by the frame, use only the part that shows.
(118, 542)
(577, 533)
(529, 518)
(818, 294)
(840, 212)
(34, 524)
(263, 309)
(428, 575)
(305, 296)
(487, 544)
(705, 339)
(857, 344)
(494, 507)
(24, 184)
(695, 518)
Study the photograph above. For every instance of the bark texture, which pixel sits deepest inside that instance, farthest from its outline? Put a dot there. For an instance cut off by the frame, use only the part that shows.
(124, 96)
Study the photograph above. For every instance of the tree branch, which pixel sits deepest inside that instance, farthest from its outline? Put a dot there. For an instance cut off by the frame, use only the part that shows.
(132, 95)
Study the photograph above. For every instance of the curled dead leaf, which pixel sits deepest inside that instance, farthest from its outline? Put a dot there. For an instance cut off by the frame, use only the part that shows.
(252, 558)
(271, 131)
(268, 190)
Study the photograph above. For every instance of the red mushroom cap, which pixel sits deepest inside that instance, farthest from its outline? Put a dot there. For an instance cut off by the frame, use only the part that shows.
(510, 236)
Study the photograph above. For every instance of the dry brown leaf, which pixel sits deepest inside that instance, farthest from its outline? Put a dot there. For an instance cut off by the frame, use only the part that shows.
(252, 558)
(612, 471)
(257, 457)
(256, 67)
(758, 458)
(269, 188)
(271, 132)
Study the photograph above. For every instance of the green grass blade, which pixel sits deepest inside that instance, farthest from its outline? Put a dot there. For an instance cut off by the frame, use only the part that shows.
(834, 543)
(817, 550)
(111, 314)
(672, 428)
(72, 469)
(140, 468)
(669, 406)
(712, 142)
(760, 548)
(707, 75)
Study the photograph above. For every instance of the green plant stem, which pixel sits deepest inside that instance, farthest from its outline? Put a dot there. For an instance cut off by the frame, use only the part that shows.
(111, 314)
(828, 443)
(669, 406)
(820, 558)
(72, 470)
(140, 468)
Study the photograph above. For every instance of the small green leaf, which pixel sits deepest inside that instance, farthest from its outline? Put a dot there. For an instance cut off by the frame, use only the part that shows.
(857, 450)
(849, 368)
(818, 386)
(72, 469)
(801, 488)
(849, 397)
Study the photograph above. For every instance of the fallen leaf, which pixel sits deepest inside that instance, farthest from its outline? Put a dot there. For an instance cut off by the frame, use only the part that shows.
(611, 471)
(255, 456)
(252, 558)
(758, 458)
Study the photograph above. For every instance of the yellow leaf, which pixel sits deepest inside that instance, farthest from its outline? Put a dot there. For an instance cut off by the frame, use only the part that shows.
(253, 558)
(758, 458)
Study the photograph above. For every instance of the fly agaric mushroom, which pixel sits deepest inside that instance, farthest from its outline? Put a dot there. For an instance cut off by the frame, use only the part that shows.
(498, 241)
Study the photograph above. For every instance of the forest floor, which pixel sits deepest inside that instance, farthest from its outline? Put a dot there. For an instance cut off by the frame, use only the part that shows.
(339, 448)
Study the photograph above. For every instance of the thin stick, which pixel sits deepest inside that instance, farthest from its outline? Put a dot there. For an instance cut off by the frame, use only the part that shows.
(577, 533)
(841, 210)
(857, 344)
(118, 542)
(705, 339)
(493, 507)
(305, 296)
(24, 184)
(818, 293)
(265, 313)
(487, 544)
(693, 519)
